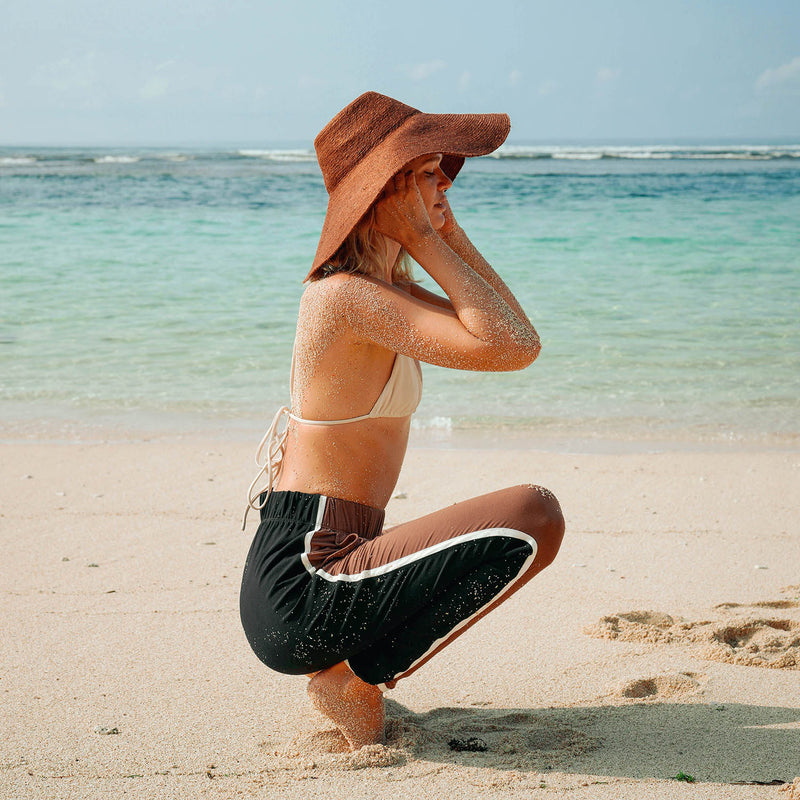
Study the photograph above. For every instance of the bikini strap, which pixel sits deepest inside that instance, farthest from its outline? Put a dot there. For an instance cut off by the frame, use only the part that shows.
(329, 421)
(275, 443)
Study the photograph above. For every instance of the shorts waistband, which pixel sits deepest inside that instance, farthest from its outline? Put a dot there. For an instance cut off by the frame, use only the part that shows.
(338, 514)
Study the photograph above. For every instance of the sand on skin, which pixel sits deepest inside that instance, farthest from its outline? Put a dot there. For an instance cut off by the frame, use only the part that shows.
(148, 640)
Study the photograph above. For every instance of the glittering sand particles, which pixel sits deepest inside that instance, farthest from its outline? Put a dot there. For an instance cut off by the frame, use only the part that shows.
(748, 635)
(792, 790)
(660, 687)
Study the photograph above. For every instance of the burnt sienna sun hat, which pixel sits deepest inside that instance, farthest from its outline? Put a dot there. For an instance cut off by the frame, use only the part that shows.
(372, 139)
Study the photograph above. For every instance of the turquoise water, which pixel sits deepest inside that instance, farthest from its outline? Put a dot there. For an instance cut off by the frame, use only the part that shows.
(664, 282)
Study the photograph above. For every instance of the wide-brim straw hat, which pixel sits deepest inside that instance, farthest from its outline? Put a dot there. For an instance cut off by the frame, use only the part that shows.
(373, 138)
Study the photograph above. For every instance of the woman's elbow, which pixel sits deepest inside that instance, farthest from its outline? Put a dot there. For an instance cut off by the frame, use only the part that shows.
(525, 351)
(505, 354)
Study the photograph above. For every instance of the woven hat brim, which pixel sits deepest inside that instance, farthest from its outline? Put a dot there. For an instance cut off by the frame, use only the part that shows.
(456, 136)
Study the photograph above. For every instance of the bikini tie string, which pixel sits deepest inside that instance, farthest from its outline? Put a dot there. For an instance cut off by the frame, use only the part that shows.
(275, 444)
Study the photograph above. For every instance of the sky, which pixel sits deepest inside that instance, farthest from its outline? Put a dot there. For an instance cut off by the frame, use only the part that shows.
(198, 72)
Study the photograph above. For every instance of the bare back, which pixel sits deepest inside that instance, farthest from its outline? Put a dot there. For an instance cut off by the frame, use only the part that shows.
(338, 376)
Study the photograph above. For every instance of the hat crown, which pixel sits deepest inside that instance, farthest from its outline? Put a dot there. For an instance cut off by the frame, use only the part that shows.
(355, 131)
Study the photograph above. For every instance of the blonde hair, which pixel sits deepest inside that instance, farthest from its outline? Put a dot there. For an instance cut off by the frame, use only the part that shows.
(364, 251)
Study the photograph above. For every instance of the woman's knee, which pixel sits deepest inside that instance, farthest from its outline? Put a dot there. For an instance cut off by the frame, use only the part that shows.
(541, 517)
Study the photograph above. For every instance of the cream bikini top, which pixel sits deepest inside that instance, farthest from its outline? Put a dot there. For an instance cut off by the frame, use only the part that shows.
(399, 398)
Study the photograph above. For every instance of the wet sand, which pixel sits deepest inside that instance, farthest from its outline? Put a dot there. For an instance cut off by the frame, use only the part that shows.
(665, 638)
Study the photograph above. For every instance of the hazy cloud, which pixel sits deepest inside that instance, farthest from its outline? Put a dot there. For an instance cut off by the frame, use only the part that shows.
(514, 77)
(67, 75)
(548, 87)
(785, 77)
(464, 81)
(157, 85)
(606, 74)
(154, 88)
(419, 72)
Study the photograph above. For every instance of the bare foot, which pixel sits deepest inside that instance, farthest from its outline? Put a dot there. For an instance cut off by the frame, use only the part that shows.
(356, 707)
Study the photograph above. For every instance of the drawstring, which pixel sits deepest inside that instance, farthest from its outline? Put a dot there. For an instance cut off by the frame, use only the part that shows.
(271, 466)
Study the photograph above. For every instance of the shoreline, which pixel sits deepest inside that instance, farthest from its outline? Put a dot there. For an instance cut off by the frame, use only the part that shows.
(601, 436)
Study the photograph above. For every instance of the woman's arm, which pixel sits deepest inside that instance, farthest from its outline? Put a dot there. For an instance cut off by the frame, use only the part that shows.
(366, 310)
(480, 308)
(455, 237)
(480, 332)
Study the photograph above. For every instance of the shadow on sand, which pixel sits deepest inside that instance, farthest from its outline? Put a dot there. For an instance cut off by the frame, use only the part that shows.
(718, 743)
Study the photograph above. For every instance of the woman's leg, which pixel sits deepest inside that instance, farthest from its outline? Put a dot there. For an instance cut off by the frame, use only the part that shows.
(355, 707)
(392, 602)
(412, 590)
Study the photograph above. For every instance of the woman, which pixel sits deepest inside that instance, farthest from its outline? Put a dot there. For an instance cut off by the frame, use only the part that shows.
(326, 591)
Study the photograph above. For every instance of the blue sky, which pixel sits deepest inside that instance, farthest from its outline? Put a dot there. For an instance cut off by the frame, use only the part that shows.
(235, 72)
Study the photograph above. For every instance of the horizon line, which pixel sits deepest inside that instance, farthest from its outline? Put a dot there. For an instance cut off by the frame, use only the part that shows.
(294, 144)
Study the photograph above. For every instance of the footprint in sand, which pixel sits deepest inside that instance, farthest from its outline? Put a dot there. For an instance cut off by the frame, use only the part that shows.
(771, 643)
(660, 687)
(738, 635)
(635, 626)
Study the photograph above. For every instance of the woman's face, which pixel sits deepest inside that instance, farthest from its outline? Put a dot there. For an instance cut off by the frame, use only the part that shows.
(432, 183)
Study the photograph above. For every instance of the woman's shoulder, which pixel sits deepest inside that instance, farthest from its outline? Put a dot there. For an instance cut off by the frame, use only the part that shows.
(333, 297)
(358, 306)
(345, 290)
(331, 283)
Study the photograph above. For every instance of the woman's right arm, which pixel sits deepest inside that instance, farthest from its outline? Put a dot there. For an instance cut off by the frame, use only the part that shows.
(480, 307)
(456, 238)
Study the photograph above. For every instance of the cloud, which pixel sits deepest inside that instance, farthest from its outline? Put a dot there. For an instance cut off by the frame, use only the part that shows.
(464, 81)
(783, 78)
(67, 75)
(155, 87)
(514, 77)
(419, 72)
(157, 84)
(548, 87)
(606, 74)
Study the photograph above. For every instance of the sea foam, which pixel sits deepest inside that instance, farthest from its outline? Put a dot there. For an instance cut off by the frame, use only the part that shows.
(116, 159)
(279, 155)
(644, 152)
(16, 161)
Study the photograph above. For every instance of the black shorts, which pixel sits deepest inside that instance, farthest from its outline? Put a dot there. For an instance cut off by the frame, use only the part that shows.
(324, 583)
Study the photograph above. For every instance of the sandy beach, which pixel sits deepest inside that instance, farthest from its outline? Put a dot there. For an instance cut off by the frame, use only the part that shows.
(664, 640)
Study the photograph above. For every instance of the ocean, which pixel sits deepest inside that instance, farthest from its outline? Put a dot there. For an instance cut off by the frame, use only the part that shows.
(154, 284)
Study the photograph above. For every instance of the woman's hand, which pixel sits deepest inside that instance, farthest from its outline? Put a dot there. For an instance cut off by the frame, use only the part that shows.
(400, 212)
(450, 226)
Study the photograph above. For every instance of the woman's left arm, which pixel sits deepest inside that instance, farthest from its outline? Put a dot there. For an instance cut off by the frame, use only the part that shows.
(458, 241)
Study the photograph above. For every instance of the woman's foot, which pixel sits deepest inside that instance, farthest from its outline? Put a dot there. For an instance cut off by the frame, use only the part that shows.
(354, 706)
